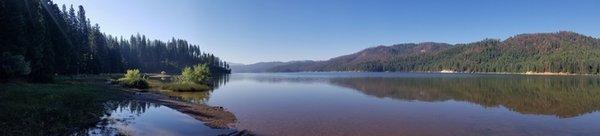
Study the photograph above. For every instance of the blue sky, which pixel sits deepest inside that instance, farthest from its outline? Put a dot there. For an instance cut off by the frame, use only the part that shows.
(248, 31)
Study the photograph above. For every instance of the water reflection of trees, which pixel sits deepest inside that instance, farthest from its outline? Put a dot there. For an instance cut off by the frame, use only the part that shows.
(560, 96)
(193, 97)
(218, 80)
(109, 123)
(306, 80)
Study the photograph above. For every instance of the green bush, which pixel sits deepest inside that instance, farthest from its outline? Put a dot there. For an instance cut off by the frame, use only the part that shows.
(191, 79)
(133, 79)
(197, 74)
(186, 87)
(132, 74)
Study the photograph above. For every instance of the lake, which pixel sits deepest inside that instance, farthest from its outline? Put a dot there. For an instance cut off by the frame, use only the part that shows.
(137, 118)
(347, 103)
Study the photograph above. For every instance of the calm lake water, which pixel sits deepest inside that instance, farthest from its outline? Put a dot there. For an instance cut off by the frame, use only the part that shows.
(144, 119)
(409, 104)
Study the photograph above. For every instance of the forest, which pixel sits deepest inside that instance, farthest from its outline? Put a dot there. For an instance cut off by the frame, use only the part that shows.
(40, 40)
(559, 52)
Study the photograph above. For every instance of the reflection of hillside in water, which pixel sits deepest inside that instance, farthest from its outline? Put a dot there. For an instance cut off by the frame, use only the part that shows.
(306, 80)
(560, 96)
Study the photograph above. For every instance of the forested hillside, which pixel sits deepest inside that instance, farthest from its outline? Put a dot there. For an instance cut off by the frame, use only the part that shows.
(565, 52)
(39, 40)
(262, 66)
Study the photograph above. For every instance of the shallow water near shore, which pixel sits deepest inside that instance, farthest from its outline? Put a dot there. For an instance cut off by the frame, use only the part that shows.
(346, 103)
(143, 118)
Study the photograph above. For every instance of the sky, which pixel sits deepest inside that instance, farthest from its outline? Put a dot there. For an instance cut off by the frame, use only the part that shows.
(250, 31)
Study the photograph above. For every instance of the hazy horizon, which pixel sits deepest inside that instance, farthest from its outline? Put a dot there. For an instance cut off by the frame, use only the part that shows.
(265, 31)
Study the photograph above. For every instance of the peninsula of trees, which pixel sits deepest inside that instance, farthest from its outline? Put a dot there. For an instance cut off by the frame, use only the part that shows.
(39, 40)
(560, 52)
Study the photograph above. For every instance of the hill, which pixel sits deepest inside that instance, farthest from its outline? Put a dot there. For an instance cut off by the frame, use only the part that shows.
(560, 52)
(261, 66)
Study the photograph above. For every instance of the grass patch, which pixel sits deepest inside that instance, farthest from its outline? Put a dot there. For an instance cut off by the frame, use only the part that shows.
(185, 87)
(52, 109)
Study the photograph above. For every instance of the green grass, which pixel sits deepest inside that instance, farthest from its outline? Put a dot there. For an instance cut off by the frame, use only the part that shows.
(52, 109)
(185, 87)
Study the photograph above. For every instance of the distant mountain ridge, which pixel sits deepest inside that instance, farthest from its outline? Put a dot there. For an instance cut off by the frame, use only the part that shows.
(259, 67)
(559, 52)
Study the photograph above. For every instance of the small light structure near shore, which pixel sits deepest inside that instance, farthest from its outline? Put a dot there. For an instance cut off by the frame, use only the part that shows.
(447, 71)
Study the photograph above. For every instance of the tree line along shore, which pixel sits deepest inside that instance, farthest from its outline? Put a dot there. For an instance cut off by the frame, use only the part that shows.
(40, 40)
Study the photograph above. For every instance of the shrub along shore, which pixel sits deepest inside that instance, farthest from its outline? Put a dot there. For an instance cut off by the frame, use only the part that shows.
(191, 79)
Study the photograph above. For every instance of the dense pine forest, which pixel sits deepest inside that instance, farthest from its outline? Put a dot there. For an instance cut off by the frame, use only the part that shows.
(560, 52)
(40, 39)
